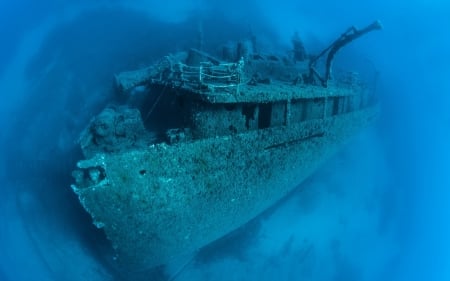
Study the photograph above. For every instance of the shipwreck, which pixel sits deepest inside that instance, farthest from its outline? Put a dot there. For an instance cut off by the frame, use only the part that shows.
(237, 133)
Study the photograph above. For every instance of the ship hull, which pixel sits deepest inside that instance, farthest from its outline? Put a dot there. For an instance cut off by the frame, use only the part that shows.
(157, 203)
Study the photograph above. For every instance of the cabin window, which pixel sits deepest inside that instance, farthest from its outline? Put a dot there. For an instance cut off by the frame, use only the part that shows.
(248, 110)
(278, 117)
(230, 107)
(335, 105)
(265, 112)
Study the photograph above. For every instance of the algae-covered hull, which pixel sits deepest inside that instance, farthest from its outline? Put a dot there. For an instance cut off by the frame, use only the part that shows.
(165, 200)
(241, 131)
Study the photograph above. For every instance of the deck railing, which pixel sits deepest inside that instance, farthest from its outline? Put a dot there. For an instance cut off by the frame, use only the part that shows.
(207, 77)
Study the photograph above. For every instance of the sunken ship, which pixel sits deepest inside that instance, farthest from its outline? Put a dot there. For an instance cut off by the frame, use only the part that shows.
(240, 133)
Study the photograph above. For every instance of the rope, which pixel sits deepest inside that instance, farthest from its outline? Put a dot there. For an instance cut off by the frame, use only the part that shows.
(155, 103)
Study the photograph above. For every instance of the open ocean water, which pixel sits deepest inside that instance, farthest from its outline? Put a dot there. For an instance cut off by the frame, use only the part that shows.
(378, 210)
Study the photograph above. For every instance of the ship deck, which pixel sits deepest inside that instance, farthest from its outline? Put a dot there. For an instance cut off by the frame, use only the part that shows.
(266, 93)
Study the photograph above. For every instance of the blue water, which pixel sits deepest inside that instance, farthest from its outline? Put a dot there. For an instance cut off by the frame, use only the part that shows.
(378, 210)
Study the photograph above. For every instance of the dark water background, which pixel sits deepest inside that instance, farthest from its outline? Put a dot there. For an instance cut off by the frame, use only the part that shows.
(377, 211)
